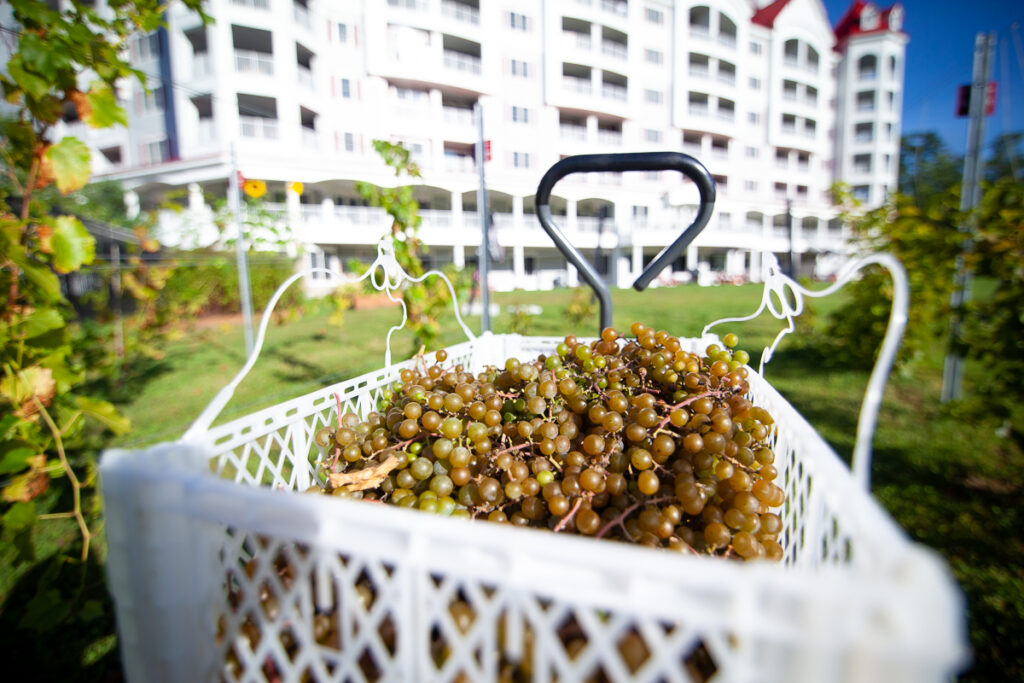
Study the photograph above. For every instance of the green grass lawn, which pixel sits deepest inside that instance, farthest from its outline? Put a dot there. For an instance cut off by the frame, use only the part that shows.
(951, 483)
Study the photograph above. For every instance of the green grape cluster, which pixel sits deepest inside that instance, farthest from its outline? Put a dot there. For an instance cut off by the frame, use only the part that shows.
(628, 438)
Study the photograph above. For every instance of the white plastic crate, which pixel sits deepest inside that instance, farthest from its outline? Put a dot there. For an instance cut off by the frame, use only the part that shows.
(198, 531)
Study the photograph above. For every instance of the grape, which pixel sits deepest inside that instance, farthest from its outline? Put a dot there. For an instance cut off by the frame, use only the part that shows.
(632, 439)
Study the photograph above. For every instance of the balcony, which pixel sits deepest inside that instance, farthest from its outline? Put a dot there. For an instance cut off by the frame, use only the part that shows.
(250, 61)
(257, 127)
(310, 138)
(609, 137)
(571, 131)
(202, 65)
(254, 4)
(619, 7)
(301, 15)
(459, 163)
(576, 84)
(458, 116)
(460, 61)
(306, 77)
(613, 92)
(700, 71)
(617, 50)
(697, 109)
(460, 12)
(582, 41)
(206, 132)
(700, 31)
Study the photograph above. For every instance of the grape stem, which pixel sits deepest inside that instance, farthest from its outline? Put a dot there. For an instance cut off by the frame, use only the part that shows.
(714, 393)
(626, 513)
(572, 513)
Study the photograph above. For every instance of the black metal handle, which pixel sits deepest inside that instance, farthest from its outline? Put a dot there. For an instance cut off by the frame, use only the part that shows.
(636, 161)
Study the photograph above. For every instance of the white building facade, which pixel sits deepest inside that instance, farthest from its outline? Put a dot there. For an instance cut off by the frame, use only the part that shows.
(771, 99)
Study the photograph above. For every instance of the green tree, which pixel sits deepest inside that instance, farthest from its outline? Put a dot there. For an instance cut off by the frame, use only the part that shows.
(49, 422)
(1005, 160)
(927, 169)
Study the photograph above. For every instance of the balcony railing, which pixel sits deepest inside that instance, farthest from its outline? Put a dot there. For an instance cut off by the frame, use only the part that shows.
(460, 61)
(862, 169)
(250, 61)
(727, 77)
(202, 65)
(301, 15)
(310, 138)
(865, 106)
(700, 31)
(458, 116)
(581, 40)
(727, 39)
(306, 76)
(255, 4)
(700, 71)
(697, 109)
(460, 11)
(459, 163)
(206, 132)
(577, 84)
(867, 75)
(258, 127)
(864, 137)
(615, 6)
(726, 114)
(617, 50)
(609, 137)
(613, 92)
(572, 131)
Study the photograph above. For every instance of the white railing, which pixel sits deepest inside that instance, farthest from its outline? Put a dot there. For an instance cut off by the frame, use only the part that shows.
(700, 71)
(726, 114)
(460, 61)
(582, 40)
(615, 6)
(609, 137)
(781, 163)
(862, 169)
(617, 50)
(577, 84)
(727, 39)
(865, 106)
(311, 211)
(257, 127)
(301, 15)
(459, 163)
(202, 65)
(409, 4)
(310, 138)
(789, 128)
(458, 116)
(206, 132)
(863, 137)
(252, 61)
(720, 152)
(790, 60)
(613, 92)
(572, 132)
(697, 109)
(361, 215)
(867, 75)
(789, 95)
(727, 77)
(306, 77)
(460, 11)
(255, 4)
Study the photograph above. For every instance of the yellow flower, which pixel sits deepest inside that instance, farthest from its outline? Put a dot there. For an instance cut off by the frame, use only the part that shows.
(255, 188)
(296, 187)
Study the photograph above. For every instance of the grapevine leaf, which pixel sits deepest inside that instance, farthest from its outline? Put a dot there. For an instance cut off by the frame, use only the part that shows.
(41, 321)
(91, 610)
(15, 460)
(73, 246)
(27, 486)
(69, 159)
(20, 516)
(104, 111)
(105, 413)
(45, 610)
(6, 422)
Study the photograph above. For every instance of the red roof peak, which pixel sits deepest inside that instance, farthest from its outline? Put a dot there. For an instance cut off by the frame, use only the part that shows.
(865, 17)
(766, 15)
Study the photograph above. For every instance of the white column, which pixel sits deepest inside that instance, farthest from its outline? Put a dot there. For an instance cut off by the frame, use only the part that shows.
(292, 204)
(517, 214)
(459, 256)
(195, 197)
(518, 263)
(692, 257)
(570, 215)
(131, 203)
(755, 265)
(638, 260)
(457, 210)
(572, 276)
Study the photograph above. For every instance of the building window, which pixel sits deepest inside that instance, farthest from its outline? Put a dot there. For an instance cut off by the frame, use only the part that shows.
(752, 152)
(753, 117)
(652, 135)
(750, 185)
(755, 47)
(520, 114)
(520, 160)
(864, 132)
(518, 67)
(147, 46)
(755, 83)
(861, 192)
(151, 101)
(653, 56)
(350, 142)
(412, 94)
(154, 152)
(346, 88)
(639, 213)
(342, 33)
(654, 16)
(517, 21)
(653, 96)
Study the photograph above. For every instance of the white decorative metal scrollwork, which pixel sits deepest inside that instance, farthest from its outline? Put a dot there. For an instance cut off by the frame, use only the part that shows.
(389, 280)
(778, 285)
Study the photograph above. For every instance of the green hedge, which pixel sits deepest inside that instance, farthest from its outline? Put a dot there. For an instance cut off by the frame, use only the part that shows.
(203, 283)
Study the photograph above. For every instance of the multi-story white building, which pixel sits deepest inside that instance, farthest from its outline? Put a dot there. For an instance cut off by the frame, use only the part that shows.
(771, 99)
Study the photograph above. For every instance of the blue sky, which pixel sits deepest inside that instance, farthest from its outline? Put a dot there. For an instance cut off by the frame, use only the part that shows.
(939, 58)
